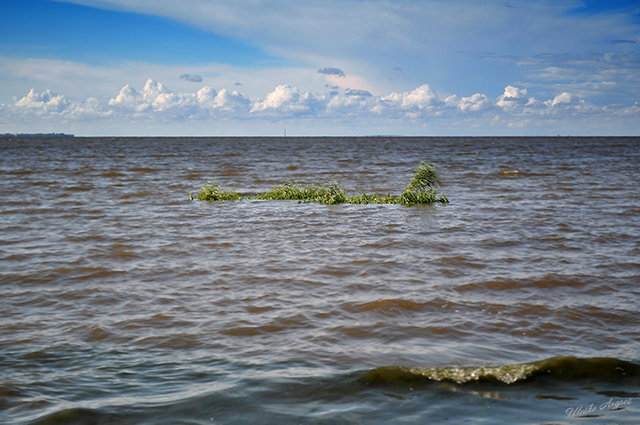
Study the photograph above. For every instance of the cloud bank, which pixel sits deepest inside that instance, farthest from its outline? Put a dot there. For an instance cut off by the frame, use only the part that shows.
(415, 111)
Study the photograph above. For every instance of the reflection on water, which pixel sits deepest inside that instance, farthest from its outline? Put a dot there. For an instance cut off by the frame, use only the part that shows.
(124, 301)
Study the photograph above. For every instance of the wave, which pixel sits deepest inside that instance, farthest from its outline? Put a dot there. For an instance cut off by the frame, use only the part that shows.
(79, 416)
(560, 377)
(560, 369)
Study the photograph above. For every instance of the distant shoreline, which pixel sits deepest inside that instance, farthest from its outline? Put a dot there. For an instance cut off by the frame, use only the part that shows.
(36, 135)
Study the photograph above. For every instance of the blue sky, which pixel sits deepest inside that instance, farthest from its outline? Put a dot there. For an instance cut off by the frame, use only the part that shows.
(418, 67)
(56, 30)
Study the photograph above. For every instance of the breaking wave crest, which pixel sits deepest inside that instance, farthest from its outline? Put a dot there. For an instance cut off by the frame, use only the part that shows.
(563, 369)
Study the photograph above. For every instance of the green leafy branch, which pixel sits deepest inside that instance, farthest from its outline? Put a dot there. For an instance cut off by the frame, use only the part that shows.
(421, 190)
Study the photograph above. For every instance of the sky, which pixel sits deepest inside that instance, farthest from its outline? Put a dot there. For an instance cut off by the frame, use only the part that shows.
(320, 67)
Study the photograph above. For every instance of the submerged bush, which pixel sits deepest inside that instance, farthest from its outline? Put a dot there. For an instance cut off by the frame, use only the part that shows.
(421, 190)
(211, 192)
(424, 178)
(331, 194)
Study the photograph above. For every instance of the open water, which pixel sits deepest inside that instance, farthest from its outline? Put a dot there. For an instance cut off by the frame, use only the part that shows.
(123, 302)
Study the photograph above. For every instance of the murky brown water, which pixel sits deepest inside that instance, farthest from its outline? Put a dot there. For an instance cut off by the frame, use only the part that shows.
(124, 302)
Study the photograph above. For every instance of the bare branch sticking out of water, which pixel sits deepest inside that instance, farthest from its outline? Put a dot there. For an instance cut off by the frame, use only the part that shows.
(421, 190)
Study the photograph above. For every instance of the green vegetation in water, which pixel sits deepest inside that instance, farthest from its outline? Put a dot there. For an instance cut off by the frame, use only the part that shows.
(421, 190)
(211, 192)
(332, 193)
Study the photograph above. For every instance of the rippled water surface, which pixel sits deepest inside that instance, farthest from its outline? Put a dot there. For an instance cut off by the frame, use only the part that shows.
(125, 302)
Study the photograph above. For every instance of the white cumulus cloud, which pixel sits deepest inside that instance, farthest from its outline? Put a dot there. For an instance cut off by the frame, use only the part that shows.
(512, 98)
(230, 101)
(128, 98)
(156, 98)
(49, 104)
(421, 98)
(286, 99)
(46, 100)
(563, 98)
(419, 102)
(473, 103)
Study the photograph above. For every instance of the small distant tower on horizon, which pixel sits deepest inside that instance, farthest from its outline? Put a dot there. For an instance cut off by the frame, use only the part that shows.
(285, 132)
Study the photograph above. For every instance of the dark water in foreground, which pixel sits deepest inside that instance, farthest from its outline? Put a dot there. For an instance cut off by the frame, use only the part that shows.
(123, 302)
